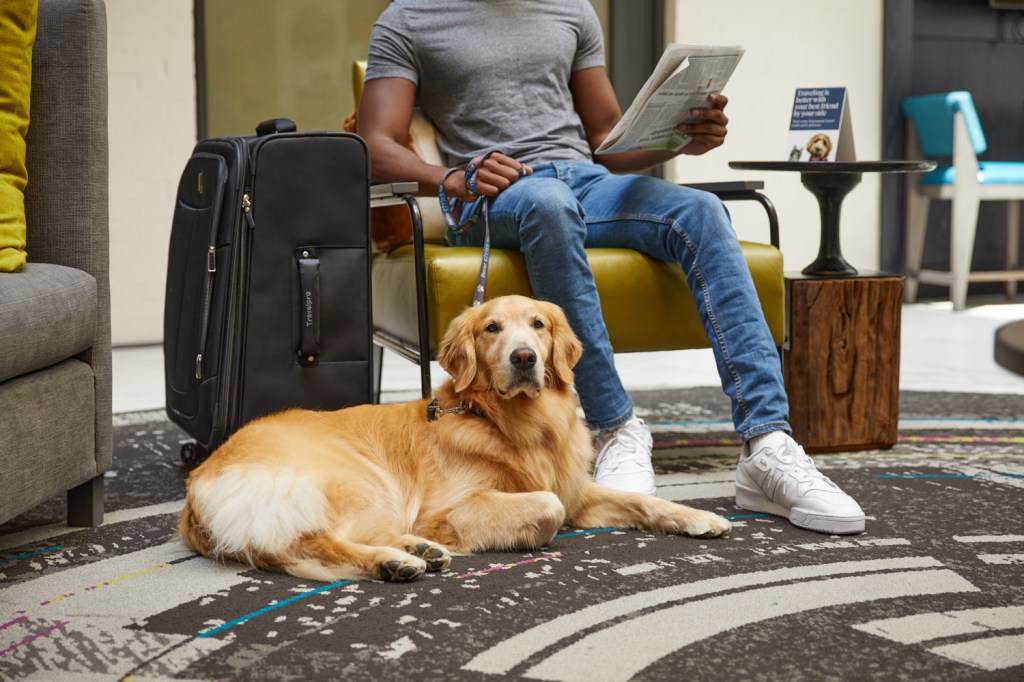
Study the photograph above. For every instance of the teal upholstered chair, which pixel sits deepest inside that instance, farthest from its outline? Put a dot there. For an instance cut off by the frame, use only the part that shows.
(945, 127)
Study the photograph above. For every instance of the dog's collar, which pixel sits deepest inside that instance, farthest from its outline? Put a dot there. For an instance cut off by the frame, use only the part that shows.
(434, 410)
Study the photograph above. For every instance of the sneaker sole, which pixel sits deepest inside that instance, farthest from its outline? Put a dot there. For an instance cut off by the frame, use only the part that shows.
(653, 490)
(835, 525)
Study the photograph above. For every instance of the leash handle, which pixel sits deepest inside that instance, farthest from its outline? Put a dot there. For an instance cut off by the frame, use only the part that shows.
(455, 222)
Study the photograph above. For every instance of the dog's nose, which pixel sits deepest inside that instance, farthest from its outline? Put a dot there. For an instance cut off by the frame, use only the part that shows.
(523, 358)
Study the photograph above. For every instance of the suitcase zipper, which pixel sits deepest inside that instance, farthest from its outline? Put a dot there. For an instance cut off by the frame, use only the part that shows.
(211, 268)
(247, 210)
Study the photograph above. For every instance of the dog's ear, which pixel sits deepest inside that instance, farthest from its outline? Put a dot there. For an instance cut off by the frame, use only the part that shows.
(457, 352)
(566, 349)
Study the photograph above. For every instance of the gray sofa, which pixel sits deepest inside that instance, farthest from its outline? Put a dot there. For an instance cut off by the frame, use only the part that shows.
(55, 368)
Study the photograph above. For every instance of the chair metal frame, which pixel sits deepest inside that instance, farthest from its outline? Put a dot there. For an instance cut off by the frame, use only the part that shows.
(405, 192)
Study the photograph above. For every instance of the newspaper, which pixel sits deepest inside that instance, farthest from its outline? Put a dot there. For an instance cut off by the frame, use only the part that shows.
(683, 79)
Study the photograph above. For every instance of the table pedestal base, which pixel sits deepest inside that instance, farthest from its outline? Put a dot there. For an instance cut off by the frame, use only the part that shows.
(830, 189)
(1009, 350)
(841, 361)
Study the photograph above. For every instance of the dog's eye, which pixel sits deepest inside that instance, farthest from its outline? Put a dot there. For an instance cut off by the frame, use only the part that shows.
(538, 323)
(492, 328)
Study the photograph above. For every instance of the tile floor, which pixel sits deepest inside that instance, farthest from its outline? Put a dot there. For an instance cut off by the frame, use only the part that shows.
(941, 350)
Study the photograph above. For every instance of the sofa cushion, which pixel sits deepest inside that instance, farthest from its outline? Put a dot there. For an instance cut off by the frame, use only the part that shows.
(47, 314)
(17, 34)
(48, 434)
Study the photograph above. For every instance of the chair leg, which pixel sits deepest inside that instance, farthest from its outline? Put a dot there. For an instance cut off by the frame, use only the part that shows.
(1012, 243)
(963, 226)
(85, 504)
(917, 226)
(378, 368)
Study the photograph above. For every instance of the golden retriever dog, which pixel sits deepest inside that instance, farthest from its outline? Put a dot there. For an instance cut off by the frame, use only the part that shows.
(819, 147)
(499, 460)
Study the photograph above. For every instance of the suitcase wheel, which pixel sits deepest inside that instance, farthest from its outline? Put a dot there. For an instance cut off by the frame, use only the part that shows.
(192, 454)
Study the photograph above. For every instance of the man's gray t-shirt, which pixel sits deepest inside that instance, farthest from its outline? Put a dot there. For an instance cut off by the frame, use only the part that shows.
(492, 74)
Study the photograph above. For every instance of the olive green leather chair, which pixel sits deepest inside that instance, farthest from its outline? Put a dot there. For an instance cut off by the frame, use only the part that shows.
(419, 287)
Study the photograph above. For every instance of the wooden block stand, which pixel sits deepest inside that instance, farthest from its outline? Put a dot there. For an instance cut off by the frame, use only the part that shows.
(841, 361)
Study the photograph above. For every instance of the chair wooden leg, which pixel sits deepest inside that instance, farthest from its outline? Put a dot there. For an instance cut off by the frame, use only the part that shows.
(963, 226)
(85, 504)
(917, 226)
(963, 223)
(1012, 243)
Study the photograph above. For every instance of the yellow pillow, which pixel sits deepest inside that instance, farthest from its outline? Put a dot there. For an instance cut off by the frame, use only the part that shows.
(17, 34)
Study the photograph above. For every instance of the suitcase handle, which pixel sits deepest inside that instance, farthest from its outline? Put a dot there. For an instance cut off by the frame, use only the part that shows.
(309, 307)
(276, 125)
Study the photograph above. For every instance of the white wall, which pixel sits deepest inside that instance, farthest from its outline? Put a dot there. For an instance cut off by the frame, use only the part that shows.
(151, 67)
(792, 44)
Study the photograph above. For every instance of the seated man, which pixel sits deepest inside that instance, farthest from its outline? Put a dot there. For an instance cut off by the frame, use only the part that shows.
(528, 79)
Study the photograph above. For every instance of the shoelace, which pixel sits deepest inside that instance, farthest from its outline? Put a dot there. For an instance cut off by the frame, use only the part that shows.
(631, 445)
(794, 461)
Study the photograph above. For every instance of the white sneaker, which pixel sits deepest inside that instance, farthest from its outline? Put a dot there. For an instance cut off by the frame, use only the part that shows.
(624, 459)
(784, 481)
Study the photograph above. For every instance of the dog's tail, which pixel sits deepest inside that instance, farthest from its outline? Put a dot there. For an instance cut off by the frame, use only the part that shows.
(192, 531)
(317, 556)
(274, 522)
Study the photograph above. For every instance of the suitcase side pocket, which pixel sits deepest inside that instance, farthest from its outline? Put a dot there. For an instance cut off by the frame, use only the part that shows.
(192, 267)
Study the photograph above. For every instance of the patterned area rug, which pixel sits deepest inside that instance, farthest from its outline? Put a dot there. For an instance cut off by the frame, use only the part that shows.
(933, 590)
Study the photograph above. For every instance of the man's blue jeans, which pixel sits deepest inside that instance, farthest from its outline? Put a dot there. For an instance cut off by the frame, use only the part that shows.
(563, 207)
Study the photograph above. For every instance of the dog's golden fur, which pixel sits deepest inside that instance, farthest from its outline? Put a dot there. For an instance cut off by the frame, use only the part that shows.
(381, 491)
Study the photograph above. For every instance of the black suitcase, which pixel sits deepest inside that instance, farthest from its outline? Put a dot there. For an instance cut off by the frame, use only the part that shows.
(268, 281)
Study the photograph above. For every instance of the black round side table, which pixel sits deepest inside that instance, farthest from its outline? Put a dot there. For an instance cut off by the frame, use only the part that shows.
(830, 182)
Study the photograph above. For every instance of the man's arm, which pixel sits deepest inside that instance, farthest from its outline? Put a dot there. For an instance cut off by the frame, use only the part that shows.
(385, 112)
(598, 109)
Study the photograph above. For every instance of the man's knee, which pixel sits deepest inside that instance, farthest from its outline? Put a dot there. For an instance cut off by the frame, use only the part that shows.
(546, 205)
(704, 214)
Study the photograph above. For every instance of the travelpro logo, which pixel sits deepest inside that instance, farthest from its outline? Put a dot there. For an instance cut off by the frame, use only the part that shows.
(309, 308)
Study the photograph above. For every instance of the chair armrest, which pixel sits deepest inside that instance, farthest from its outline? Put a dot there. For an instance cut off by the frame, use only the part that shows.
(66, 200)
(727, 187)
(390, 192)
(744, 190)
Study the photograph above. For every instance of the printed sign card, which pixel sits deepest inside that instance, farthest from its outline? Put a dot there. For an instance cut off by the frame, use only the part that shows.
(820, 127)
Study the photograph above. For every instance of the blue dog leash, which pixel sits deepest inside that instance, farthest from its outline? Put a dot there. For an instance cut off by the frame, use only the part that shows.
(460, 217)
(458, 223)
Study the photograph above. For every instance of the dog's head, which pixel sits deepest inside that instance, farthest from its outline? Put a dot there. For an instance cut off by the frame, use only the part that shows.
(511, 345)
(819, 147)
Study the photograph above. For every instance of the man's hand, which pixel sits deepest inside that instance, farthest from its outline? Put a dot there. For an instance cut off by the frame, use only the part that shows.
(710, 129)
(496, 174)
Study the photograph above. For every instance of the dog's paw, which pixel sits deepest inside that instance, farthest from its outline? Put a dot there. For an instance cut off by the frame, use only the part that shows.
(700, 524)
(437, 557)
(402, 570)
